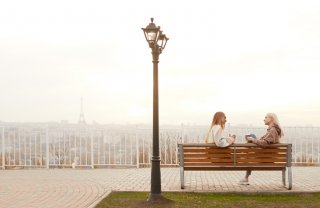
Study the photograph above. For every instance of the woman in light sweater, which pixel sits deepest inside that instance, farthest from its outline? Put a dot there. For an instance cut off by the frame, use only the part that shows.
(273, 135)
(216, 130)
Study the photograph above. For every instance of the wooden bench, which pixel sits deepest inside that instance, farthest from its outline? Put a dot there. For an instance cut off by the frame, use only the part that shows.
(240, 157)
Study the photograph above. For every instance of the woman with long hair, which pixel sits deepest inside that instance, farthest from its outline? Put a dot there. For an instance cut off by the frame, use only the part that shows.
(273, 135)
(215, 132)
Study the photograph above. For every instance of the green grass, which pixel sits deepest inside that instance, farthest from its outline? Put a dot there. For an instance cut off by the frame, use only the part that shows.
(216, 200)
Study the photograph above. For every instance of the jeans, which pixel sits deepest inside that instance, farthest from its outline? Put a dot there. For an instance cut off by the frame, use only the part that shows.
(249, 172)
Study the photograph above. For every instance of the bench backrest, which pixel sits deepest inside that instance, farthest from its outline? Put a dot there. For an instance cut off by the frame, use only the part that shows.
(236, 155)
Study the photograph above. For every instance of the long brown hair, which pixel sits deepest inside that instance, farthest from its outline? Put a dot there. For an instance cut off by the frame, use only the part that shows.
(217, 120)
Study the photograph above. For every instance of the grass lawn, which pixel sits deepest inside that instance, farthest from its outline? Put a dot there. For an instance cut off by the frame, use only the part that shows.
(227, 200)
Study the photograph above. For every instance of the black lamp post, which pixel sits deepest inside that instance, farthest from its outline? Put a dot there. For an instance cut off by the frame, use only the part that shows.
(157, 42)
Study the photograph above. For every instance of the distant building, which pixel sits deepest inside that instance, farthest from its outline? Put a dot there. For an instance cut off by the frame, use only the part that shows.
(64, 122)
(82, 120)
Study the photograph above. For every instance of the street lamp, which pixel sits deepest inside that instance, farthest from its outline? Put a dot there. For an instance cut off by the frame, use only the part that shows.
(157, 42)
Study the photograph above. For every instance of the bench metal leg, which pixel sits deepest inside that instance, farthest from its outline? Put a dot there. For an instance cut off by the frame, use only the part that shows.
(284, 177)
(182, 177)
(290, 178)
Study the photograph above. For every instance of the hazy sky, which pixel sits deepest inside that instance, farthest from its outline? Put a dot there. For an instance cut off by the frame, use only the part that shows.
(245, 58)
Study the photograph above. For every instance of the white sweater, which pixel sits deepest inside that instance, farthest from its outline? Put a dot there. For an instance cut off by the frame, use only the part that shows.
(216, 137)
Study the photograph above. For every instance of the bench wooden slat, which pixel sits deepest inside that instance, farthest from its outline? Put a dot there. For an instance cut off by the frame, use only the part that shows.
(261, 157)
(259, 150)
(207, 155)
(208, 160)
(206, 164)
(248, 155)
(210, 150)
(233, 168)
(233, 145)
(260, 160)
(228, 150)
(237, 160)
(237, 147)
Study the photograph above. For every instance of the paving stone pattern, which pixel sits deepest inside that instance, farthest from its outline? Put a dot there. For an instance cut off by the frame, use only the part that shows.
(74, 188)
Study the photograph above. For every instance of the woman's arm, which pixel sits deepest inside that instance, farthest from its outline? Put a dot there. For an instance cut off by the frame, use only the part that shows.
(269, 138)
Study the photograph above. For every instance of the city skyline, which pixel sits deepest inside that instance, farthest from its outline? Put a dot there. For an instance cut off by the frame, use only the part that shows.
(245, 58)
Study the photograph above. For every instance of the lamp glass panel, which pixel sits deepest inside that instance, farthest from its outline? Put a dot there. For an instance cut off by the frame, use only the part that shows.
(160, 41)
(151, 36)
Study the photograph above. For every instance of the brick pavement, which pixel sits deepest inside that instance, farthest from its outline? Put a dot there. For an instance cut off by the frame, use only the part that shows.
(84, 188)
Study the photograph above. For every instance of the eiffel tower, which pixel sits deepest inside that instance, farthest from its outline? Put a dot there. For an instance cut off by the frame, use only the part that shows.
(81, 118)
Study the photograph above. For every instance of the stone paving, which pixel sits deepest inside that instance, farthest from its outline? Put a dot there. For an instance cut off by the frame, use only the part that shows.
(76, 188)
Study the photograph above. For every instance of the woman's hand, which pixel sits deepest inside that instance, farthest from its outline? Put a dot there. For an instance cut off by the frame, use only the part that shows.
(232, 135)
(249, 139)
(231, 139)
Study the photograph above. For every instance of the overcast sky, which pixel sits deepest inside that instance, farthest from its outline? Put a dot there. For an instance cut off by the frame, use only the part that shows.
(245, 58)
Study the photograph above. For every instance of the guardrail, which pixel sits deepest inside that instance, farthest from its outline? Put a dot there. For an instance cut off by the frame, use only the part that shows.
(46, 147)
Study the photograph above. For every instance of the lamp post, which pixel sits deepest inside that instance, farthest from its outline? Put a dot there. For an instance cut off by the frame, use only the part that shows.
(157, 42)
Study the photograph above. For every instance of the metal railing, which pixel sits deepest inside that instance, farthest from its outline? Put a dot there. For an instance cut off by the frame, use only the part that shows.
(102, 147)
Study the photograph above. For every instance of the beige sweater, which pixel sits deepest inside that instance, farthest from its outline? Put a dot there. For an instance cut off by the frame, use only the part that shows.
(216, 137)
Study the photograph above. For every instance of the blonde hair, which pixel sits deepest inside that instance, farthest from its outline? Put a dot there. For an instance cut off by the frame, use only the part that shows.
(217, 120)
(276, 122)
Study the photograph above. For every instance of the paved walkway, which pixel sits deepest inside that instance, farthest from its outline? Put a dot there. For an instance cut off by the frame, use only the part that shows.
(84, 188)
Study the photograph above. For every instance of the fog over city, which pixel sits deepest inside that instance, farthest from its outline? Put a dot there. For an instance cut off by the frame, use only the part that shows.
(245, 58)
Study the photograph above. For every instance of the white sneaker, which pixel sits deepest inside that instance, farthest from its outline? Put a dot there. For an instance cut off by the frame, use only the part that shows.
(244, 182)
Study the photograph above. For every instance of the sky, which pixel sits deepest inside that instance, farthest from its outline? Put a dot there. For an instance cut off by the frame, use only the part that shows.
(246, 58)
